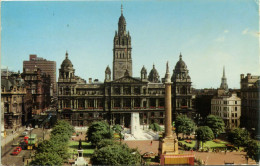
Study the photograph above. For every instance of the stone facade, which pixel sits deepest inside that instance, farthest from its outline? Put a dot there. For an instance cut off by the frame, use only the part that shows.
(39, 87)
(182, 90)
(82, 103)
(117, 97)
(13, 99)
(250, 96)
(228, 107)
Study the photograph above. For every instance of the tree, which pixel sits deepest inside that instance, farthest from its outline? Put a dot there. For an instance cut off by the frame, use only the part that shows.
(116, 155)
(63, 129)
(155, 127)
(55, 150)
(216, 124)
(239, 137)
(117, 128)
(106, 142)
(98, 131)
(253, 150)
(204, 133)
(47, 159)
(184, 125)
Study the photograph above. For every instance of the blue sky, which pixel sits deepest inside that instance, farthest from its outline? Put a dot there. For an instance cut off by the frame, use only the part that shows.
(209, 34)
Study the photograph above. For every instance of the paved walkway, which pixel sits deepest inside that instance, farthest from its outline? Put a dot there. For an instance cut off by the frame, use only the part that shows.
(5, 140)
(210, 158)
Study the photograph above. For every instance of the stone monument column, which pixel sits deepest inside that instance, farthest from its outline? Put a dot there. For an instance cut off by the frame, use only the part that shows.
(168, 107)
(169, 144)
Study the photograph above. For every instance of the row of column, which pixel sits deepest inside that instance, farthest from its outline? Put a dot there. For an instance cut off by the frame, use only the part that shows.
(179, 103)
(133, 102)
(142, 90)
(75, 104)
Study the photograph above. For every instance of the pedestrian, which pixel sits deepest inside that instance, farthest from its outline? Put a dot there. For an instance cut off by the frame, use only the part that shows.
(151, 143)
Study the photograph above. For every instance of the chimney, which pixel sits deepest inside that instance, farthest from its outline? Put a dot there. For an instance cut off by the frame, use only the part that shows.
(33, 57)
(248, 75)
(90, 80)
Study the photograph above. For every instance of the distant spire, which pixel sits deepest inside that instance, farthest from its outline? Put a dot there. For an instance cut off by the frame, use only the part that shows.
(67, 54)
(153, 66)
(224, 84)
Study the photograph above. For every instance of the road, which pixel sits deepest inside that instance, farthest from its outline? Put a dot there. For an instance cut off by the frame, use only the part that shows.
(8, 159)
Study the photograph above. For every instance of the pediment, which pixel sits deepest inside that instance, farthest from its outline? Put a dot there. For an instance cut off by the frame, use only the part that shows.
(127, 79)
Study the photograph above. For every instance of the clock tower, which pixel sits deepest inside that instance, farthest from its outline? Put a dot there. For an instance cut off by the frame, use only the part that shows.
(122, 58)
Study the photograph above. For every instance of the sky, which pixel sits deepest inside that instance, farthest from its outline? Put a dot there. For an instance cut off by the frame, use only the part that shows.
(209, 35)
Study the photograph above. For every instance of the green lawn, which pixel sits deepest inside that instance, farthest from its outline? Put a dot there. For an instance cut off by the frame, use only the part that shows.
(191, 145)
(209, 144)
(86, 146)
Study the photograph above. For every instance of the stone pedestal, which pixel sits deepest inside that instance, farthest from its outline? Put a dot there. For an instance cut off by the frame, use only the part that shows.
(80, 160)
(168, 146)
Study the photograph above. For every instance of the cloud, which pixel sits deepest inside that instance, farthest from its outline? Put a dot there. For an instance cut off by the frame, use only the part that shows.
(220, 39)
(250, 32)
(245, 31)
(226, 31)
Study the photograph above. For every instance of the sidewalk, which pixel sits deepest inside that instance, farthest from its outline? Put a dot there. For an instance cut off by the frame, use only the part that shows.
(5, 140)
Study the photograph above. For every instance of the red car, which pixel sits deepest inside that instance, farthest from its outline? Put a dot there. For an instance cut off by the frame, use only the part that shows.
(17, 150)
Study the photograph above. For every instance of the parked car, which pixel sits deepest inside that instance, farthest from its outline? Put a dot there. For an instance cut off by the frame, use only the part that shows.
(29, 128)
(24, 133)
(17, 150)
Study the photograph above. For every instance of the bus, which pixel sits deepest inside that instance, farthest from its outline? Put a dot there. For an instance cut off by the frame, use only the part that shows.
(31, 141)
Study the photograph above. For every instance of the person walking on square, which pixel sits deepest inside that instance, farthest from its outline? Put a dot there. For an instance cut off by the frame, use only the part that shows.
(151, 143)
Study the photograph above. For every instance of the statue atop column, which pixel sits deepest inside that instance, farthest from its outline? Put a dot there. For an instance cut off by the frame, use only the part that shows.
(80, 145)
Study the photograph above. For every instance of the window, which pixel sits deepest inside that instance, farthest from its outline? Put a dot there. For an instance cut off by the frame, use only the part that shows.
(152, 114)
(235, 108)
(161, 114)
(81, 115)
(235, 102)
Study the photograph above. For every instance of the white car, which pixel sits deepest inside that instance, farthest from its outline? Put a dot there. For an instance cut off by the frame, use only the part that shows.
(24, 133)
(28, 129)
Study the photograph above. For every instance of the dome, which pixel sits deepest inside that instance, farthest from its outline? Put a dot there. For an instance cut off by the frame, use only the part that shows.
(180, 64)
(66, 62)
(154, 75)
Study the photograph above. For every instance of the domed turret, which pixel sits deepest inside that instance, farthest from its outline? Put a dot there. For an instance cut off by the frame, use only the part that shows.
(143, 73)
(66, 70)
(66, 63)
(154, 76)
(180, 65)
(181, 71)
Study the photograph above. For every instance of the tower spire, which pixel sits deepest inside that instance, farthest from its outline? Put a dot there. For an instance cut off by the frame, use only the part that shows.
(224, 72)
(66, 55)
(180, 56)
(121, 8)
